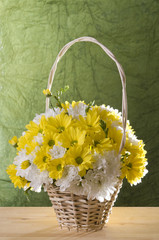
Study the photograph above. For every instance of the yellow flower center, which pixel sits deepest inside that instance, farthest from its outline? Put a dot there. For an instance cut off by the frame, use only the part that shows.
(25, 164)
(51, 143)
(73, 142)
(44, 159)
(96, 143)
(129, 165)
(79, 160)
(40, 131)
(59, 167)
(61, 129)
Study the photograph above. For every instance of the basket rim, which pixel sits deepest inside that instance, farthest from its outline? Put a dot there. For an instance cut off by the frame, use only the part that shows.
(57, 189)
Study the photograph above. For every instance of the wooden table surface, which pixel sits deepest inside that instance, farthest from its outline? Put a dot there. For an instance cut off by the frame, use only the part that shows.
(39, 223)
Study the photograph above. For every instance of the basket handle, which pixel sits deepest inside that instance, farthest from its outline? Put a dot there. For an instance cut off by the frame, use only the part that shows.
(121, 73)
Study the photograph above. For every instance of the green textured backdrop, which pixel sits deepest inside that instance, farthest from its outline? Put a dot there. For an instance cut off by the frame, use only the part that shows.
(31, 35)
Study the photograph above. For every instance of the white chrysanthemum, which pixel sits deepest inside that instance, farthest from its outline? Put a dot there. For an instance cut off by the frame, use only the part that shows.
(57, 151)
(102, 179)
(38, 179)
(109, 162)
(77, 187)
(78, 109)
(20, 158)
(70, 174)
(98, 185)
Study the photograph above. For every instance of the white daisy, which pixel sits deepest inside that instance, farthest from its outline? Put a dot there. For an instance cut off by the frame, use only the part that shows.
(57, 151)
(79, 109)
(38, 179)
(69, 174)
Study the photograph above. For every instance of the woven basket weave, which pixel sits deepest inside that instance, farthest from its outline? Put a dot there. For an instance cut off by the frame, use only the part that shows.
(73, 211)
(76, 212)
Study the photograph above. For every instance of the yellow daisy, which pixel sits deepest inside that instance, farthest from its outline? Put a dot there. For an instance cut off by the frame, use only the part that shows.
(42, 159)
(133, 168)
(50, 139)
(59, 123)
(91, 122)
(24, 140)
(80, 156)
(18, 181)
(31, 145)
(107, 116)
(136, 149)
(34, 128)
(55, 168)
(72, 136)
(99, 142)
(115, 135)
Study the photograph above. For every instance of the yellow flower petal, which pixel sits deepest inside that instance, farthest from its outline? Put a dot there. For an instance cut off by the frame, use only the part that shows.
(14, 141)
(47, 93)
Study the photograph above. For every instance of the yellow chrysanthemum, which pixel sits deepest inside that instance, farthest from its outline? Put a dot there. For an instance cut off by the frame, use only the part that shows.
(14, 141)
(50, 139)
(42, 159)
(133, 168)
(24, 140)
(34, 128)
(99, 142)
(47, 92)
(107, 116)
(102, 113)
(80, 157)
(136, 149)
(72, 136)
(55, 168)
(91, 122)
(59, 123)
(31, 146)
(115, 135)
(18, 181)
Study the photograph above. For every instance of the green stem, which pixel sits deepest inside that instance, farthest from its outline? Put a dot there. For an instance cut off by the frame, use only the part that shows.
(3, 180)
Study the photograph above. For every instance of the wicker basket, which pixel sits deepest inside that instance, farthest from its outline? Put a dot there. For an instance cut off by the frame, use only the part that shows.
(73, 211)
(77, 212)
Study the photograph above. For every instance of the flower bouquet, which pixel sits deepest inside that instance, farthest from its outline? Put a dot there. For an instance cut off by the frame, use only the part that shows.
(79, 153)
